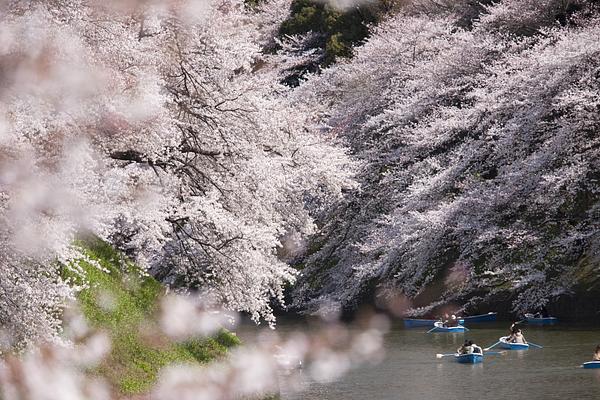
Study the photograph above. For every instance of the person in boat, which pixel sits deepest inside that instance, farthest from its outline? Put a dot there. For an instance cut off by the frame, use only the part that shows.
(443, 319)
(597, 354)
(451, 321)
(542, 313)
(469, 348)
(516, 336)
(513, 329)
(476, 349)
(466, 348)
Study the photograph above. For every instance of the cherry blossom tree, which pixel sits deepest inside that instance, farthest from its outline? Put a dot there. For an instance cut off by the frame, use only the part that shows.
(478, 149)
(154, 127)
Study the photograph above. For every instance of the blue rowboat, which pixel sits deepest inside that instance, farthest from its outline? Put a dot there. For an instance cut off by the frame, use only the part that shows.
(428, 323)
(415, 323)
(491, 316)
(512, 346)
(472, 358)
(591, 365)
(438, 327)
(540, 321)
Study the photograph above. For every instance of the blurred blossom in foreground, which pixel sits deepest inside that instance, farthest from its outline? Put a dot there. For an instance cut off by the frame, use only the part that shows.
(184, 317)
(267, 362)
(55, 372)
(247, 372)
(272, 360)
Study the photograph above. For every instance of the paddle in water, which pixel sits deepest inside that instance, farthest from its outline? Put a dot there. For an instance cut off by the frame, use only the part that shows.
(492, 346)
(494, 353)
(444, 355)
(535, 345)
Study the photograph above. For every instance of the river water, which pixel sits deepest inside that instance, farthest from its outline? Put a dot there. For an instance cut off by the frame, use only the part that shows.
(410, 370)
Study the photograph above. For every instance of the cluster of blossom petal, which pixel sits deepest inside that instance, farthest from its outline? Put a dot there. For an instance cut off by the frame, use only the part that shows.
(475, 124)
(150, 126)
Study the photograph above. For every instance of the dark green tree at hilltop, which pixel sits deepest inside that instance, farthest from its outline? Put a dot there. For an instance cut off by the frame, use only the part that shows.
(335, 31)
(338, 30)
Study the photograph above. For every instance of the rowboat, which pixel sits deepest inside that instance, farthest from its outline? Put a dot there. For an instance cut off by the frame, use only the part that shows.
(438, 327)
(415, 323)
(505, 344)
(473, 358)
(591, 364)
(491, 316)
(540, 321)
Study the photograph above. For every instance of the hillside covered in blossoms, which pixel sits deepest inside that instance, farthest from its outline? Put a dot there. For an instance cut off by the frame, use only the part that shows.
(476, 128)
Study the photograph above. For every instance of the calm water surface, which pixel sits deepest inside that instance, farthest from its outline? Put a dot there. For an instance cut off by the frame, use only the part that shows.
(411, 371)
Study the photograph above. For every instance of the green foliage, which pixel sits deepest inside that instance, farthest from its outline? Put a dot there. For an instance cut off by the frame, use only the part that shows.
(124, 302)
(226, 339)
(339, 31)
(335, 45)
(252, 3)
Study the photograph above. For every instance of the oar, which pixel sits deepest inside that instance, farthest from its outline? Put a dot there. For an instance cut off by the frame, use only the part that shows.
(495, 353)
(444, 355)
(432, 329)
(535, 345)
(466, 329)
(492, 346)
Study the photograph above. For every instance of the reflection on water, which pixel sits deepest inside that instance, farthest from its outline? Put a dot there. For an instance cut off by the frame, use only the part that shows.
(412, 372)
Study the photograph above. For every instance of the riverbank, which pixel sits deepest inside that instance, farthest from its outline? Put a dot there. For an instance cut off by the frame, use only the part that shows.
(124, 302)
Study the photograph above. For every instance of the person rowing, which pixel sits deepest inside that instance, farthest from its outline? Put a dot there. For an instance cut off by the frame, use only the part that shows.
(465, 348)
(443, 319)
(476, 348)
(451, 321)
(469, 348)
(516, 336)
(597, 354)
(542, 313)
